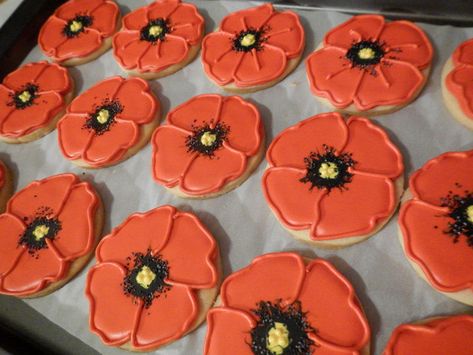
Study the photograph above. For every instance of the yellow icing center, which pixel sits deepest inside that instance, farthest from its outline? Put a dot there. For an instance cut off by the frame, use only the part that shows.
(208, 139)
(366, 53)
(145, 277)
(40, 231)
(277, 339)
(103, 116)
(75, 26)
(155, 30)
(248, 40)
(25, 96)
(469, 213)
(328, 170)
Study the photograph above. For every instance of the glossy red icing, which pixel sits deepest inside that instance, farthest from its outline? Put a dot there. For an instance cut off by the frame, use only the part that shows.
(186, 29)
(460, 80)
(372, 192)
(328, 299)
(191, 252)
(197, 174)
(53, 84)
(440, 336)
(393, 81)
(283, 40)
(139, 108)
(423, 222)
(74, 204)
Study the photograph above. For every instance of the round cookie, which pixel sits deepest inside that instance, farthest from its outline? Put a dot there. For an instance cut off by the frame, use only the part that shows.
(6, 185)
(49, 232)
(369, 66)
(209, 146)
(457, 79)
(333, 182)
(159, 39)
(433, 336)
(253, 49)
(284, 304)
(32, 99)
(436, 224)
(156, 276)
(109, 122)
(79, 31)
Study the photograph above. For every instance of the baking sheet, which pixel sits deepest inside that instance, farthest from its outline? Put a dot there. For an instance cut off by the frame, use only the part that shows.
(390, 291)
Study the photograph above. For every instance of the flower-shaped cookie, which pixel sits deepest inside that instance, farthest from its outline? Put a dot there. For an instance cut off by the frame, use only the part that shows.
(437, 224)
(31, 98)
(209, 142)
(436, 336)
(155, 37)
(279, 305)
(369, 63)
(155, 277)
(325, 169)
(47, 230)
(253, 47)
(108, 123)
(78, 29)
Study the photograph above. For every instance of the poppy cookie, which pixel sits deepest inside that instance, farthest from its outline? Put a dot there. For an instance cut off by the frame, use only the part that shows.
(156, 276)
(159, 39)
(367, 65)
(109, 122)
(284, 304)
(434, 336)
(48, 232)
(333, 182)
(32, 99)
(436, 224)
(209, 146)
(253, 49)
(79, 31)
(6, 185)
(457, 83)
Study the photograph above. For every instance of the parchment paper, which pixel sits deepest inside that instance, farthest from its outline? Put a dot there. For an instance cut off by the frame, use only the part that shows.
(390, 291)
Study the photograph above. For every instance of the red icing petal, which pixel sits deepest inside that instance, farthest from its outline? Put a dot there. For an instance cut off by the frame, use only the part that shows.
(254, 17)
(226, 165)
(355, 29)
(136, 19)
(295, 143)
(448, 265)
(407, 42)
(164, 54)
(51, 192)
(105, 18)
(5, 109)
(441, 175)
(162, 9)
(187, 23)
(77, 234)
(372, 149)
(286, 32)
(228, 332)
(133, 235)
(197, 111)
(332, 307)
(177, 308)
(331, 76)
(112, 313)
(365, 202)
(86, 43)
(196, 267)
(70, 9)
(128, 48)
(50, 36)
(93, 97)
(73, 137)
(292, 201)
(11, 229)
(170, 155)
(138, 103)
(460, 83)
(245, 124)
(324, 348)
(271, 277)
(464, 53)
(22, 122)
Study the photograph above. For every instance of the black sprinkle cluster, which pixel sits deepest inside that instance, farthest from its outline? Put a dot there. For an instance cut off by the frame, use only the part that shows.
(32, 89)
(293, 318)
(194, 144)
(29, 240)
(461, 225)
(158, 266)
(366, 64)
(113, 107)
(146, 36)
(259, 39)
(315, 160)
(83, 19)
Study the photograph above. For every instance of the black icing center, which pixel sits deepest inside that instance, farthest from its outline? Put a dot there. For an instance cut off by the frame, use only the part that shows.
(206, 139)
(248, 40)
(461, 212)
(155, 30)
(24, 97)
(365, 53)
(38, 231)
(103, 117)
(76, 26)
